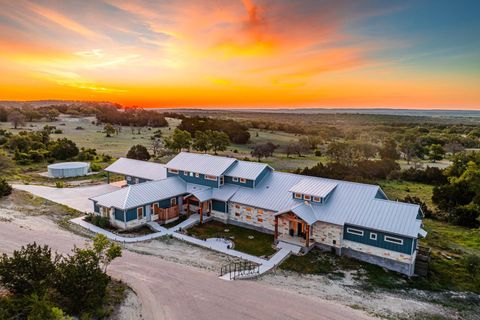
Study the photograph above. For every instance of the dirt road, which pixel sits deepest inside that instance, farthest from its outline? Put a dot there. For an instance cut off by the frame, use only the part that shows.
(174, 291)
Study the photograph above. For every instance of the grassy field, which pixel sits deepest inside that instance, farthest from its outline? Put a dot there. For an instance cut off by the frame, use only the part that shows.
(397, 190)
(259, 245)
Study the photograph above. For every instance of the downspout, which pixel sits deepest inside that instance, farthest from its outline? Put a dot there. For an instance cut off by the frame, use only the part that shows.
(125, 218)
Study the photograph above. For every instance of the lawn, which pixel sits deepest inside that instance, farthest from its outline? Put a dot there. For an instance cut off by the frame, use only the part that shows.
(396, 189)
(259, 245)
(172, 224)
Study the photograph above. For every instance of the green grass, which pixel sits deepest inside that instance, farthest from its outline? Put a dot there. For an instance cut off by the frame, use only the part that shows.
(396, 189)
(174, 223)
(260, 245)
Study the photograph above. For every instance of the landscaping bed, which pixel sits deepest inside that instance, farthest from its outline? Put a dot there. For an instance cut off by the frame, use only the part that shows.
(246, 240)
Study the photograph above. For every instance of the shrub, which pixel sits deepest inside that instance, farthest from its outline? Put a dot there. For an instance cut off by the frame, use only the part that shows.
(472, 264)
(36, 155)
(466, 216)
(138, 152)
(59, 184)
(416, 200)
(5, 188)
(58, 131)
(95, 167)
(318, 153)
(98, 221)
(63, 149)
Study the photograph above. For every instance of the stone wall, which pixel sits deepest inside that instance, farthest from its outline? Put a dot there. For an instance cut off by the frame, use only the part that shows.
(328, 234)
(258, 218)
(392, 260)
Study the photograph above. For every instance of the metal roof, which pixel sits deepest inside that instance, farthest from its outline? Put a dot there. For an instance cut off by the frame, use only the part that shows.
(246, 169)
(142, 193)
(303, 211)
(137, 168)
(313, 187)
(68, 165)
(200, 163)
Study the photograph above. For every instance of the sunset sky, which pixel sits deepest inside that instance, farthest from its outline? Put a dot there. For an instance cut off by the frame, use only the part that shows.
(243, 53)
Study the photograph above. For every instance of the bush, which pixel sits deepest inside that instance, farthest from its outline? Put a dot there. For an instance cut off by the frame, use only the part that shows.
(58, 131)
(36, 155)
(430, 175)
(5, 188)
(472, 264)
(98, 221)
(63, 149)
(59, 184)
(416, 200)
(138, 152)
(95, 167)
(318, 153)
(466, 216)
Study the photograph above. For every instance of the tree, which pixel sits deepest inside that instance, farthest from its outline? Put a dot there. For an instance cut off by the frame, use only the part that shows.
(202, 141)
(108, 130)
(31, 114)
(436, 152)
(50, 114)
(106, 250)
(155, 146)
(449, 196)
(5, 188)
(263, 150)
(17, 118)
(337, 152)
(389, 150)
(180, 139)
(63, 149)
(219, 141)
(296, 148)
(138, 152)
(466, 216)
(3, 114)
(29, 270)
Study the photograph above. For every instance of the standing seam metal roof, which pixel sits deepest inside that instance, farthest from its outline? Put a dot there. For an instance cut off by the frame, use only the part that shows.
(246, 169)
(138, 168)
(201, 163)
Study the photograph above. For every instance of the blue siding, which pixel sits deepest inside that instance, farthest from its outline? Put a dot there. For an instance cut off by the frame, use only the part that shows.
(406, 247)
(118, 214)
(265, 171)
(248, 184)
(192, 179)
(132, 180)
(219, 206)
(131, 214)
(96, 208)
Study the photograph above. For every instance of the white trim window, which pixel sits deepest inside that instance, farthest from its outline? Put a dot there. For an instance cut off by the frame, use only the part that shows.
(197, 175)
(139, 213)
(173, 202)
(243, 180)
(373, 236)
(354, 231)
(235, 179)
(393, 240)
(175, 171)
(307, 197)
(222, 180)
(317, 199)
(209, 177)
(297, 195)
(185, 173)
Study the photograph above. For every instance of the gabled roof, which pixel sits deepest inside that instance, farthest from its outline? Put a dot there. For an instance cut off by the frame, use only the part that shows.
(303, 211)
(313, 187)
(247, 170)
(137, 168)
(201, 163)
(142, 193)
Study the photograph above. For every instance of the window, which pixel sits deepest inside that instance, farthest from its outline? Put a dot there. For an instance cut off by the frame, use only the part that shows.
(393, 240)
(297, 196)
(373, 236)
(260, 219)
(248, 217)
(237, 206)
(234, 179)
(209, 177)
(355, 231)
(129, 178)
(191, 174)
(222, 180)
(197, 175)
(140, 213)
(173, 202)
(317, 199)
(248, 209)
(137, 180)
(334, 242)
(237, 214)
(243, 180)
(154, 206)
(260, 211)
(173, 171)
(307, 197)
(185, 173)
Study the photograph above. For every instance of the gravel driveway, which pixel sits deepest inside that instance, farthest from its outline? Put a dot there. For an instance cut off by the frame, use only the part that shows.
(76, 198)
(170, 290)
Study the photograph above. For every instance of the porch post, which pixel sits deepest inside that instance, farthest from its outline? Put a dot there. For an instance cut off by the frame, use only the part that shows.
(307, 242)
(275, 237)
(108, 177)
(188, 207)
(201, 211)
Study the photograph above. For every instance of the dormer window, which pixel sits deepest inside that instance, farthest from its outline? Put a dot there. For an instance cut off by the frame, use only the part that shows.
(209, 177)
(317, 199)
(234, 179)
(307, 197)
(297, 195)
(185, 173)
(173, 171)
(243, 180)
(197, 175)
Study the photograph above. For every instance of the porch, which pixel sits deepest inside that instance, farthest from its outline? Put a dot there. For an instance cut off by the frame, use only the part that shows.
(290, 228)
(196, 205)
(165, 215)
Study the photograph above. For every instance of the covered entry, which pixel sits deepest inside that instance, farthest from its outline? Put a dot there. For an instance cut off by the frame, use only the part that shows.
(295, 225)
(200, 203)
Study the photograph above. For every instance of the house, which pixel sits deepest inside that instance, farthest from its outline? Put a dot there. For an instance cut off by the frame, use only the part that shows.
(343, 217)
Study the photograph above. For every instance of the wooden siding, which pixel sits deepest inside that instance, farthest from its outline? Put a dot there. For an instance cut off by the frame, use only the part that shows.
(219, 206)
(406, 247)
(118, 214)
